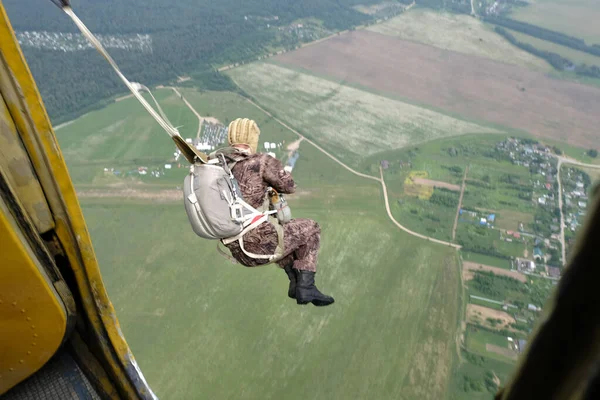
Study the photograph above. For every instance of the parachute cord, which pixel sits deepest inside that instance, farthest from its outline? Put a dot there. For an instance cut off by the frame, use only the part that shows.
(160, 110)
(61, 3)
(163, 122)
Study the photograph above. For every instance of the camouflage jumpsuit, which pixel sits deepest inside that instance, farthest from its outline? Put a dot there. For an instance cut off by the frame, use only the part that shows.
(301, 236)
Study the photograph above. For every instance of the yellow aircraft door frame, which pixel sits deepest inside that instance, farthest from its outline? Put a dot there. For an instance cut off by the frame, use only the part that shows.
(64, 235)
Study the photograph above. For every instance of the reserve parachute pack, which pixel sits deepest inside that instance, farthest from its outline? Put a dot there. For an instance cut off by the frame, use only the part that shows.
(215, 206)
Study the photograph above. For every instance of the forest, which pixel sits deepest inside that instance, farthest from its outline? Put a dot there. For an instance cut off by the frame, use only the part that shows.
(545, 34)
(557, 61)
(189, 37)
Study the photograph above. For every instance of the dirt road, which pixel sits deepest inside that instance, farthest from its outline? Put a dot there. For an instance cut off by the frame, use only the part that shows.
(192, 109)
(561, 161)
(462, 192)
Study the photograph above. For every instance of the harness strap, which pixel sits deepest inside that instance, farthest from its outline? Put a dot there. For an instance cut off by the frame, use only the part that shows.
(224, 254)
(279, 250)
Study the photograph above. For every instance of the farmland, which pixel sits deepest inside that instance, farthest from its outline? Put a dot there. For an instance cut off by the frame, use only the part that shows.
(198, 324)
(321, 109)
(490, 344)
(487, 260)
(475, 88)
(578, 57)
(445, 161)
(573, 17)
(428, 114)
(469, 269)
(470, 36)
(221, 327)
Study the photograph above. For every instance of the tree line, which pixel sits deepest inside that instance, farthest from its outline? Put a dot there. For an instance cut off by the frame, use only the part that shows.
(557, 61)
(189, 37)
(545, 34)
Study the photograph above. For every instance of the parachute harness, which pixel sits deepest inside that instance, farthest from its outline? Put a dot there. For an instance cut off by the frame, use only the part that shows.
(250, 222)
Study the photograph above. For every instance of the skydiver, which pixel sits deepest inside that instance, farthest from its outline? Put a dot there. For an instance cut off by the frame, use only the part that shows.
(255, 173)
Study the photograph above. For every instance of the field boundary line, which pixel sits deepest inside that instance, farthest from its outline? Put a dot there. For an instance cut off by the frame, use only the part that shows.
(462, 192)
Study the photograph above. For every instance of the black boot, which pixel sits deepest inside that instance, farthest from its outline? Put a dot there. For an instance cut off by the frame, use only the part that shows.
(291, 273)
(307, 292)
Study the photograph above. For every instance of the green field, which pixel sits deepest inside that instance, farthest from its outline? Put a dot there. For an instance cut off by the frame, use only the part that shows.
(123, 136)
(473, 371)
(536, 291)
(577, 153)
(422, 216)
(469, 36)
(478, 339)
(486, 260)
(573, 17)
(484, 303)
(578, 57)
(319, 108)
(487, 188)
(198, 324)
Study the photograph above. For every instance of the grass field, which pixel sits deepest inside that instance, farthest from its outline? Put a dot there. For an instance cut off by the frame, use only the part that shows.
(122, 136)
(496, 194)
(425, 217)
(474, 369)
(349, 122)
(122, 132)
(574, 152)
(484, 303)
(472, 87)
(198, 324)
(486, 260)
(446, 160)
(578, 57)
(573, 17)
(469, 36)
(510, 219)
(536, 291)
(478, 339)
